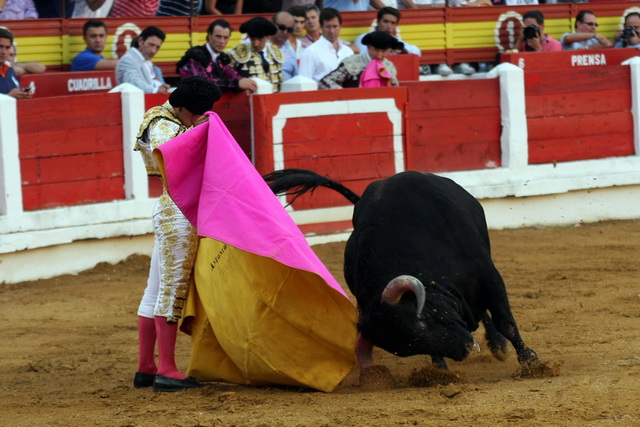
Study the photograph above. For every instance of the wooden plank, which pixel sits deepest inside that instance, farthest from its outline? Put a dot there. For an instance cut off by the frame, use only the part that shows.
(326, 228)
(596, 124)
(477, 125)
(541, 83)
(583, 148)
(565, 104)
(78, 140)
(337, 147)
(72, 168)
(455, 94)
(371, 166)
(39, 115)
(47, 196)
(454, 157)
(346, 126)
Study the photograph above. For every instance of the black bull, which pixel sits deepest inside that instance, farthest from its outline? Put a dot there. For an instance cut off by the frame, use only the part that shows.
(419, 265)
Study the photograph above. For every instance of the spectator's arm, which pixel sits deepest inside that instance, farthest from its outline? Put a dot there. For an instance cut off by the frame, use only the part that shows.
(29, 68)
(18, 93)
(577, 37)
(478, 3)
(94, 4)
(106, 64)
(2, 3)
(409, 4)
(603, 43)
(377, 4)
(210, 7)
(239, 6)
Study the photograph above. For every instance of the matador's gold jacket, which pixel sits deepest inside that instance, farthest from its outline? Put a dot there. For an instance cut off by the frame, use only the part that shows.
(248, 63)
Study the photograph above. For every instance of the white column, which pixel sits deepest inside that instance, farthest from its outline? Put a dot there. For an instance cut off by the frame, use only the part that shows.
(136, 183)
(513, 117)
(634, 63)
(10, 176)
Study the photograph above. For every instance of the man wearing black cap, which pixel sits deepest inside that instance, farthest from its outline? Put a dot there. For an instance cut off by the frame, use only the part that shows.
(258, 58)
(175, 241)
(347, 75)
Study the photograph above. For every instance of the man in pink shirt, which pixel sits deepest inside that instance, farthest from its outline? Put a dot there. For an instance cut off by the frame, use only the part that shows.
(534, 38)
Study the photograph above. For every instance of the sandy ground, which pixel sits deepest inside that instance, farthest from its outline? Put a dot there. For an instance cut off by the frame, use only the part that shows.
(69, 351)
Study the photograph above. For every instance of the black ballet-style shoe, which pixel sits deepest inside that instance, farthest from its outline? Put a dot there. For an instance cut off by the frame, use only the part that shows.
(162, 383)
(142, 379)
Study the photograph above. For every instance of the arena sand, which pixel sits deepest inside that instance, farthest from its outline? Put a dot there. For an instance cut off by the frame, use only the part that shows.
(69, 351)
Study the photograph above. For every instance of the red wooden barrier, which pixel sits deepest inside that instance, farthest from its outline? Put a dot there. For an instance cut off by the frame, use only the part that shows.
(585, 114)
(68, 83)
(453, 125)
(64, 163)
(354, 148)
(408, 66)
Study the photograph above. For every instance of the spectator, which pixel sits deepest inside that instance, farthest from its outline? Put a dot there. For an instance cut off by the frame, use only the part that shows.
(210, 61)
(9, 84)
(138, 8)
(175, 242)
(21, 68)
(284, 23)
(90, 59)
(257, 58)
(135, 66)
(312, 25)
(223, 7)
(92, 8)
(584, 36)
(299, 21)
(17, 9)
(534, 39)
(179, 8)
(325, 55)
(348, 74)
(387, 21)
(629, 36)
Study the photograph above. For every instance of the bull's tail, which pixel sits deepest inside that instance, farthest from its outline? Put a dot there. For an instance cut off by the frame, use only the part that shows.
(296, 182)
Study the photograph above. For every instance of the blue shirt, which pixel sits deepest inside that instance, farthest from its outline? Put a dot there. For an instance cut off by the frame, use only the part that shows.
(577, 45)
(9, 81)
(85, 61)
(347, 5)
(290, 65)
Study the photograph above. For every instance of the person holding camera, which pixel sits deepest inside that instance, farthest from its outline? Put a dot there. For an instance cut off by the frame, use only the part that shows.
(534, 39)
(585, 36)
(630, 35)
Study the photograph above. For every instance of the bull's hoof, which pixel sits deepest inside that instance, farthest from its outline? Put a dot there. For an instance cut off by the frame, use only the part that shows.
(499, 347)
(528, 357)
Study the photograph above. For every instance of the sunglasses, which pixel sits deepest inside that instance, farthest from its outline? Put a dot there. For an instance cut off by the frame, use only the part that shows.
(282, 27)
(591, 24)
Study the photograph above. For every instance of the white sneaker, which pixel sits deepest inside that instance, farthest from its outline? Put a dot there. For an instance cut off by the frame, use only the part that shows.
(465, 69)
(444, 70)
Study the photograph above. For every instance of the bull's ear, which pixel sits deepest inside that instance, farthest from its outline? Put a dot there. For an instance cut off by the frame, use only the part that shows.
(397, 287)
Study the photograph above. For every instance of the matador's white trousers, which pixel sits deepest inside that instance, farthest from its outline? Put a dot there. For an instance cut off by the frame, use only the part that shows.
(174, 253)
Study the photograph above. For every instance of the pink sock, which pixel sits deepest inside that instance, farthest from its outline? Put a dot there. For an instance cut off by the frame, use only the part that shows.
(167, 333)
(146, 345)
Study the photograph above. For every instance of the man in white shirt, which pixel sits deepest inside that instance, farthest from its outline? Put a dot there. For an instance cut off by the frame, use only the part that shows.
(135, 66)
(324, 56)
(387, 21)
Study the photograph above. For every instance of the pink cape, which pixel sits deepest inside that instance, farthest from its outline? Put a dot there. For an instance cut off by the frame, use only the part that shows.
(219, 191)
(375, 75)
(262, 307)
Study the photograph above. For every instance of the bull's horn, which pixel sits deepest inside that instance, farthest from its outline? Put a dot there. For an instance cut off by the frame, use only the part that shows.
(401, 284)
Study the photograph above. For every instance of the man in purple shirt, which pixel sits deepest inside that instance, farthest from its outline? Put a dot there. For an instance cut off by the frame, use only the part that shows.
(18, 9)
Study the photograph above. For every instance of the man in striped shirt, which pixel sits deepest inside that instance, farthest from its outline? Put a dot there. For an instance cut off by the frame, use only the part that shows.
(128, 8)
(179, 7)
